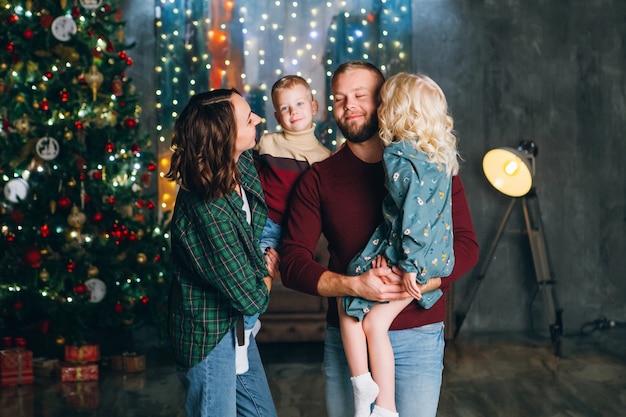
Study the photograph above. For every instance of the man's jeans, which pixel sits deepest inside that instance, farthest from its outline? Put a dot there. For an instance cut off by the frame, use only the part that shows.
(419, 366)
(213, 389)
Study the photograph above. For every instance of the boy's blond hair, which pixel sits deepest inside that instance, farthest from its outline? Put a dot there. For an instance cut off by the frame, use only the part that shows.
(286, 82)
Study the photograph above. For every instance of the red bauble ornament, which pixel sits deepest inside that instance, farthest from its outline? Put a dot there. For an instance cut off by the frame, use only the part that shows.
(44, 105)
(28, 33)
(32, 257)
(71, 265)
(80, 289)
(122, 55)
(18, 305)
(110, 47)
(97, 217)
(13, 18)
(64, 202)
(46, 21)
(17, 216)
(144, 299)
(97, 175)
(79, 125)
(11, 47)
(49, 75)
(118, 307)
(65, 96)
(111, 200)
(135, 149)
(44, 230)
(76, 12)
(129, 62)
(152, 166)
(150, 205)
(44, 326)
(130, 123)
(109, 147)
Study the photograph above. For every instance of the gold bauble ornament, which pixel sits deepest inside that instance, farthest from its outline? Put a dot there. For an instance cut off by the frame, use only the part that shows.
(20, 98)
(3, 66)
(76, 218)
(68, 134)
(92, 271)
(44, 275)
(22, 125)
(94, 79)
(141, 258)
(60, 341)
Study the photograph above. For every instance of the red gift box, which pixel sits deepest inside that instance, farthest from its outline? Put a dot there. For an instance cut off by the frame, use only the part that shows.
(85, 353)
(72, 372)
(16, 367)
(84, 395)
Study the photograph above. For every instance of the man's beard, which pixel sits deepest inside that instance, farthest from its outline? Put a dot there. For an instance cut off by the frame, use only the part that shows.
(359, 133)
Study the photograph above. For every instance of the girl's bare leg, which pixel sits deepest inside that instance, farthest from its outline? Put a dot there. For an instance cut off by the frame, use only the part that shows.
(355, 346)
(381, 359)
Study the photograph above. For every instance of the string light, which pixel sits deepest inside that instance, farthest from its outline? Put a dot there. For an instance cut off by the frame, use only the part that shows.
(246, 45)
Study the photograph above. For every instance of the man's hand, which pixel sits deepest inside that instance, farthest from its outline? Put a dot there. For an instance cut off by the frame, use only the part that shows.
(380, 283)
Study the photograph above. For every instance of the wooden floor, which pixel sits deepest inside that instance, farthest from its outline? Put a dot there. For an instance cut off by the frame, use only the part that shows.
(486, 376)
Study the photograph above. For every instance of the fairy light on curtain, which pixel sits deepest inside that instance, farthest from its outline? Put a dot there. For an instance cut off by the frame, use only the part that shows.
(249, 44)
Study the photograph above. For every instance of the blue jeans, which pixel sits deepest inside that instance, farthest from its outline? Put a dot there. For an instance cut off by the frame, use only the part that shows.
(213, 388)
(419, 366)
(271, 236)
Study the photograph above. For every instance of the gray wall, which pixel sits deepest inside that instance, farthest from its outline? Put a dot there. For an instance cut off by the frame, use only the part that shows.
(546, 70)
(550, 71)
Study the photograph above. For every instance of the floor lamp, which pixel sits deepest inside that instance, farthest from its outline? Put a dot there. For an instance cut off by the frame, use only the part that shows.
(511, 171)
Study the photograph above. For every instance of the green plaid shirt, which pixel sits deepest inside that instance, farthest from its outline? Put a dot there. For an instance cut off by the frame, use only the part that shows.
(218, 267)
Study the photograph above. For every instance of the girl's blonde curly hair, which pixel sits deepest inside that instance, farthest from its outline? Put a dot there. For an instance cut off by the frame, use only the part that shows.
(414, 108)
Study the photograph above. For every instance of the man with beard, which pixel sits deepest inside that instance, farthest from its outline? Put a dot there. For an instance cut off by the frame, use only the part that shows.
(342, 198)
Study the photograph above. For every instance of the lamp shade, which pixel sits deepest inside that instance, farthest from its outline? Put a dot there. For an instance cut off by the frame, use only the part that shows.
(509, 171)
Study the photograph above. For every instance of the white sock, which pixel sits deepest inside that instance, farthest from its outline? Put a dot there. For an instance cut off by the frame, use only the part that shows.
(241, 354)
(365, 393)
(381, 412)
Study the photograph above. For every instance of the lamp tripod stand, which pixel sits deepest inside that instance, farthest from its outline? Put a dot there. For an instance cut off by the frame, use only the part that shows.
(543, 273)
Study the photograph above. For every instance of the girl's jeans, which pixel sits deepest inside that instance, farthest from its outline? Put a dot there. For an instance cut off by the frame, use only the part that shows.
(419, 366)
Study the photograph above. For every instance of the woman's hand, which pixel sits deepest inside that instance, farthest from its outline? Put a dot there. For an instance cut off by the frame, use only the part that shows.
(272, 259)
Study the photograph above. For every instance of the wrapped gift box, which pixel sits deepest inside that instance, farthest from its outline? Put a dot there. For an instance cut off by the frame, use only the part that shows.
(134, 362)
(82, 354)
(73, 372)
(17, 401)
(44, 366)
(16, 367)
(84, 395)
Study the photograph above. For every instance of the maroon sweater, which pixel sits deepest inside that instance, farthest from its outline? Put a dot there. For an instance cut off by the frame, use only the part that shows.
(342, 197)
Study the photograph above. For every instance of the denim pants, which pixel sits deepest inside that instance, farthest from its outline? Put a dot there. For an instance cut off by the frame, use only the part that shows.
(419, 366)
(214, 390)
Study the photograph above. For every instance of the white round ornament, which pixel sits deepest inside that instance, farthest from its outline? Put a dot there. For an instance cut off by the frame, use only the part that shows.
(63, 27)
(16, 190)
(97, 288)
(91, 4)
(47, 148)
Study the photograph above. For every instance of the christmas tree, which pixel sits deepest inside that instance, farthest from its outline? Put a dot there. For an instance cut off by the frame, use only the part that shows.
(82, 246)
